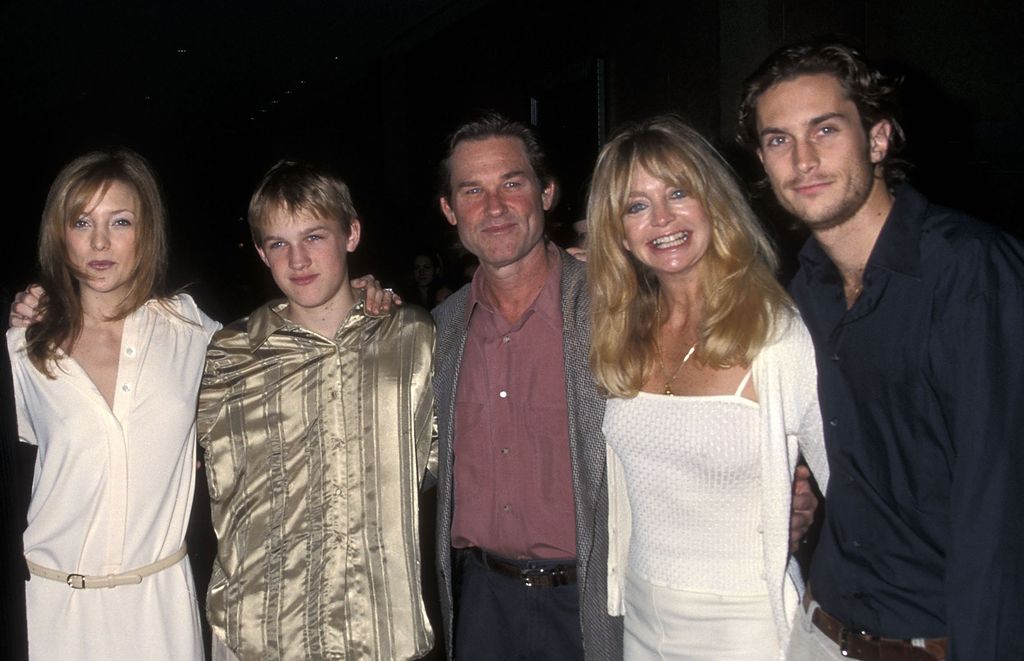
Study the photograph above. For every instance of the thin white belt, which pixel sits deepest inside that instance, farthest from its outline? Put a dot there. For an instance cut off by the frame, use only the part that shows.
(132, 577)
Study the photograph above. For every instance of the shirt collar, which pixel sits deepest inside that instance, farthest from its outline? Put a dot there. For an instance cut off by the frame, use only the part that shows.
(897, 248)
(547, 305)
(268, 319)
(265, 321)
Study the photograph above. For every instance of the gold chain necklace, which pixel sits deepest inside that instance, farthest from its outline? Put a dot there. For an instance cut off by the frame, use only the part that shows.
(664, 370)
(661, 358)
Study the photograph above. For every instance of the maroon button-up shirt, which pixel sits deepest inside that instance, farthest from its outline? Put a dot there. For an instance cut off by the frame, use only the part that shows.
(513, 476)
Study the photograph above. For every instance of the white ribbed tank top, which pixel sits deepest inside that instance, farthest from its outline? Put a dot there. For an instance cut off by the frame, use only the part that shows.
(693, 475)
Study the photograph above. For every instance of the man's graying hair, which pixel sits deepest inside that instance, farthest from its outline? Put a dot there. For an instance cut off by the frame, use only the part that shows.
(494, 125)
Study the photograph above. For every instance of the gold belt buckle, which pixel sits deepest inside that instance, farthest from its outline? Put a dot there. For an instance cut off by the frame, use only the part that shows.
(76, 581)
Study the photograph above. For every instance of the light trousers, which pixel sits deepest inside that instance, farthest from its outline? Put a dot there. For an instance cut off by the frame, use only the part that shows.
(808, 643)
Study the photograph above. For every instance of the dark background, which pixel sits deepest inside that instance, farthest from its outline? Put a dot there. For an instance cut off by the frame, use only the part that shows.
(213, 93)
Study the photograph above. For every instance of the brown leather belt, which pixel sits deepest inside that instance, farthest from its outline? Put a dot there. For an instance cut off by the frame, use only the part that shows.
(861, 645)
(532, 577)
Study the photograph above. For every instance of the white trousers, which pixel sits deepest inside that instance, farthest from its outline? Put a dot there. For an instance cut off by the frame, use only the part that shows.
(808, 643)
(663, 624)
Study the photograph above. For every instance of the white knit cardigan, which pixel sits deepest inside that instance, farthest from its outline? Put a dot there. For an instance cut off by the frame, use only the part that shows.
(785, 379)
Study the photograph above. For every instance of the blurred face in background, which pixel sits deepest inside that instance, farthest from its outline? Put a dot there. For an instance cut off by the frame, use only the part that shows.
(423, 271)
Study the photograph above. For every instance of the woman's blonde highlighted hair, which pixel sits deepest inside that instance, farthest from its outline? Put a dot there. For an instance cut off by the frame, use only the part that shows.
(77, 184)
(740, 294)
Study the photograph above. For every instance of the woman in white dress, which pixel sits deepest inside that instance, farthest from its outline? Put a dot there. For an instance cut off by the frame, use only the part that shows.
(106, 384)
(711, 382)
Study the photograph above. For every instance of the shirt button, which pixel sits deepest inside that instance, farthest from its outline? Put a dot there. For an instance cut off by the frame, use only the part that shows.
(834, 422)
(835, 356)
(506, 507)
(857, 544)
(126, 387)
(504, 450)
(129, 351)
(503, 394)
(505, 339)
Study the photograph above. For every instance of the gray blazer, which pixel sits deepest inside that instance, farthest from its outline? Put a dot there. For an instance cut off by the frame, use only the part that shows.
(602, 633)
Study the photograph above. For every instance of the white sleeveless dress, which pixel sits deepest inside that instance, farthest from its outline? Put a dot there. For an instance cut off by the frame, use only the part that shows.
(695, 585)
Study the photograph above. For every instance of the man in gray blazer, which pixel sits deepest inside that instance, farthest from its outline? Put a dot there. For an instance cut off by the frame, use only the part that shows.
(510, 536)
(522, 536)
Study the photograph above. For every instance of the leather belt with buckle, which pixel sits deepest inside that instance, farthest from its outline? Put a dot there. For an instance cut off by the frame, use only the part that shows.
(532, 577)
(861, 645)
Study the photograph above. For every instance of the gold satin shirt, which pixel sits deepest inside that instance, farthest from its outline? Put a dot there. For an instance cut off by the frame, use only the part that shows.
(316, 449)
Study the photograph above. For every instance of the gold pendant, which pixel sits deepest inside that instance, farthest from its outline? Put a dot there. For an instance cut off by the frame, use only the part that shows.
(668, 388)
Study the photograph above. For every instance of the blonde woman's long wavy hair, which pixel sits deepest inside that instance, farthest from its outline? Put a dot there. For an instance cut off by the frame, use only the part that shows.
(76, 185)
(741, 297)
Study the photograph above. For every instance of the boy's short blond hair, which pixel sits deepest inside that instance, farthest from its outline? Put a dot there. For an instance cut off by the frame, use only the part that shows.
(293, 186)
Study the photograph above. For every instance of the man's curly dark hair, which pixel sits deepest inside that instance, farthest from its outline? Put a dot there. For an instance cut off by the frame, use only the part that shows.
(874, 93)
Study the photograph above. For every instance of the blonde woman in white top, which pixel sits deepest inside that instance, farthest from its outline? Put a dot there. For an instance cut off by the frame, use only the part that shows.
(711, 382)
(106, 384)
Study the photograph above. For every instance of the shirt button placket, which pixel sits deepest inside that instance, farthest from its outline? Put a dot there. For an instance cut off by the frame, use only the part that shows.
(334, 437)
(129, 352)
(503, 366)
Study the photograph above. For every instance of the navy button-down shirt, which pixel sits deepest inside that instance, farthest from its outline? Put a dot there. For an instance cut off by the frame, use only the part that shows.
(921, 384)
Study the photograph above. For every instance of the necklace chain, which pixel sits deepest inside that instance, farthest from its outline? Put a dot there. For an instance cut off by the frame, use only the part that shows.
(664, 370)
(660, 358)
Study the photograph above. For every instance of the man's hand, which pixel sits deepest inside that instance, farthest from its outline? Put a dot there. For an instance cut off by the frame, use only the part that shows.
(25, 308)
(804, 505)
(378, 300)
(579, 253)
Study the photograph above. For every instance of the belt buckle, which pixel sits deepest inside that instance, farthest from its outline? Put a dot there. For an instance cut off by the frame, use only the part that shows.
(844, 639)
(76, 581)
(534, 576)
